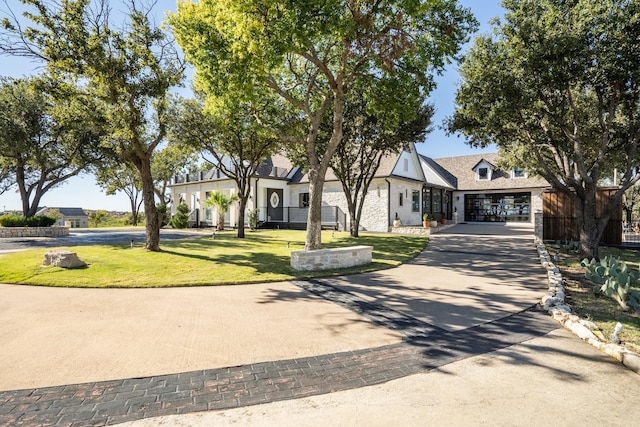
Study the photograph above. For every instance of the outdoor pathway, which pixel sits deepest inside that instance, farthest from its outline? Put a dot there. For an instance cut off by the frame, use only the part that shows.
(426, 347)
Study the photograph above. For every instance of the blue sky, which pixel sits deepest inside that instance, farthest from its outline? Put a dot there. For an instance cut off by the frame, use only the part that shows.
(82, 191)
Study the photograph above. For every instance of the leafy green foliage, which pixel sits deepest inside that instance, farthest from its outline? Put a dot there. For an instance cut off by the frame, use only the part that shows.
(568, 246)
(367, 139)
(181, 218)
(127, 66)
(233, 139)
(11, 220)
(98, 217)
(254, 217)
(557, 88)
(47, 135)
(614, 279)
(222, 202)
(304, 58)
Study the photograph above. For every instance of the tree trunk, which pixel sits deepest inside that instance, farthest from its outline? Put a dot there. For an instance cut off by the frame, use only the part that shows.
(220, 219)
(134, 213)
(318, 170)
(353, 217)
(242, 204)
(587, 225)
(152, 225)
(314, 219)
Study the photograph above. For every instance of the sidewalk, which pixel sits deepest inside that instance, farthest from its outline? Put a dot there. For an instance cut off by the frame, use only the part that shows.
(446, 339)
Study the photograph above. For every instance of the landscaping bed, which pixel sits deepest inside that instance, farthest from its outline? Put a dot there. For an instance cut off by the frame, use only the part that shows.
(599, 309)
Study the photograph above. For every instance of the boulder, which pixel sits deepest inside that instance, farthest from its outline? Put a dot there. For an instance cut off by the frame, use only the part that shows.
(64, 259)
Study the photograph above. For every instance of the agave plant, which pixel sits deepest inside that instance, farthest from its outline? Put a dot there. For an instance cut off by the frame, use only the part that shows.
(613, 278)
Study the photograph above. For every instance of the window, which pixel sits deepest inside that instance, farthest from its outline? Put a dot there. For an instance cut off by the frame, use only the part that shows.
(483, 173)
(426, 200)
(518, 173)
(303, 200)
(208, 212)
(400, 199)
(415, 201)
(406, 165)
(436, 201)
(508, 207)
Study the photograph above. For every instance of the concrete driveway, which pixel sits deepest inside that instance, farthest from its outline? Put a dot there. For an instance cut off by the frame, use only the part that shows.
(442, 340)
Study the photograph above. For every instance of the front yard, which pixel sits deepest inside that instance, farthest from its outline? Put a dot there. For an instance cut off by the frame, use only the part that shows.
(263, 256)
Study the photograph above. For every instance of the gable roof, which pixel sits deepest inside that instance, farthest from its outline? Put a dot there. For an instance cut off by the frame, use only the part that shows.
(64, 211)
(387, 164)
(483, 160)
(462, 167)
(435, 175)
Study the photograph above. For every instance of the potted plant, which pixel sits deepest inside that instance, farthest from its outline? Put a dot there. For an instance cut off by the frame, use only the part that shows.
(396, 221)
(425, 220)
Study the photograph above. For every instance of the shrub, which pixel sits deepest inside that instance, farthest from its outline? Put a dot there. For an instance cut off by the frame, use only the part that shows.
(163, 215)
(11, 220)
(181, 219)
(254, 217)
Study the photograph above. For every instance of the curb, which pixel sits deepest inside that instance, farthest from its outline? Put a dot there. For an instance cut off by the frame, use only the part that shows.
(554, 302)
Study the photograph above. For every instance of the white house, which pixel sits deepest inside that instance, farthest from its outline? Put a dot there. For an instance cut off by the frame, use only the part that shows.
(407, 183)
(67, 217)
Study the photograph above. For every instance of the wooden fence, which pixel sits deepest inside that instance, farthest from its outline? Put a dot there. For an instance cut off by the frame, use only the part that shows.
(560, 221)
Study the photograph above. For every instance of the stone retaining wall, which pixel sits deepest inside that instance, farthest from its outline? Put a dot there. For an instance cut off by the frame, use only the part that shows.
(34, 231)
(329, 259)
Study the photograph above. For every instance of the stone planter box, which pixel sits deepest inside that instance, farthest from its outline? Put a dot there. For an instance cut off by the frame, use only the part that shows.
(33, 231)
(330, 259)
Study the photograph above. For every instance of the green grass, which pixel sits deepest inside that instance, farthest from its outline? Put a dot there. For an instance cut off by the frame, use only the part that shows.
(263, 256)
(601, 310)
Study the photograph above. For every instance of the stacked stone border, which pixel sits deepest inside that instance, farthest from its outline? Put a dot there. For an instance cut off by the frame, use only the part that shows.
(327, 259)
(9, 232)
(554, 302)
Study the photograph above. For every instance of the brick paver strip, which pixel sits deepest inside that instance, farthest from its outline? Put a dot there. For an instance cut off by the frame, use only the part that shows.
(425, 347)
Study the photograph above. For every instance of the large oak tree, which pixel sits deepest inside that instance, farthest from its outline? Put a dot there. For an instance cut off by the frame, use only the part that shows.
(311, 54)
(47, 135)
(557, 89)
(125, 60)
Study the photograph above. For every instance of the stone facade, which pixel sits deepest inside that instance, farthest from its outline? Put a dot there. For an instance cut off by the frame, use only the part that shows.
(331, 259)
(375, 203)
(407, 213)
(10, 232)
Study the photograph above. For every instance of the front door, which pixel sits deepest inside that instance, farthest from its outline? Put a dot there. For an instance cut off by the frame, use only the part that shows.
(274, 204)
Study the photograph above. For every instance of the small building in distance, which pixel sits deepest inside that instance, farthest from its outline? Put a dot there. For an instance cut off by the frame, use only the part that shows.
(67, 217)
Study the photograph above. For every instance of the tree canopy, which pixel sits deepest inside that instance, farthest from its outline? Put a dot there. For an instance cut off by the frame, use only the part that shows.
(126, 62)
(47, 135)
(231, 139)
(556, 88)
(309, 55)
(366, 141)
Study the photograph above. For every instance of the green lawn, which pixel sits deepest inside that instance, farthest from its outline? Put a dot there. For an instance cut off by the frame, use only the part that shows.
(263, 256)
(601, 310)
